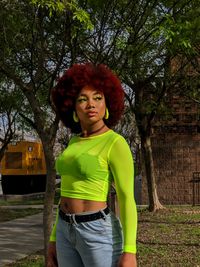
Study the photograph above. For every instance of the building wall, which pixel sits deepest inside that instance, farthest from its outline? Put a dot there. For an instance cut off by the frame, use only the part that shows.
(176, 153)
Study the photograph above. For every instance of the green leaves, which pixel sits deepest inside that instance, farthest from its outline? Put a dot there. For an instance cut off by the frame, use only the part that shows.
(179, 32)
(52, 5)
(83, 17)
(79, 14)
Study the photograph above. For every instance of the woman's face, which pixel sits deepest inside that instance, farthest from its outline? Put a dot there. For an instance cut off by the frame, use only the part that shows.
(90, 105)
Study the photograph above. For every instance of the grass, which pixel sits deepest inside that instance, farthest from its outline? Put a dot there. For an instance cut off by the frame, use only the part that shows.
(7, 214)
(35, 260)
(11, 214)
(10, 202)
(167, 238)
(32, 201)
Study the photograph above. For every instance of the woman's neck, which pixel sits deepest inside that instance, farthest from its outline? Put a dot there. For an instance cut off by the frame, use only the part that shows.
(89, 132)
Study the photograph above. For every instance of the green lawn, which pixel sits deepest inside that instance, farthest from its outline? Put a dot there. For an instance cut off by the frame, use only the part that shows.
(11, 214)
(36, 260)
(34, 200)
(168, 238)
(7, 214)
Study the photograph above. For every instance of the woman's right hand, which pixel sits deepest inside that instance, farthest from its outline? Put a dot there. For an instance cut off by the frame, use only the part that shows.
(52, 258)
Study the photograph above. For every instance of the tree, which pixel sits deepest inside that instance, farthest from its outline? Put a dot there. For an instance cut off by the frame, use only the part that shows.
(170, 34)
(7, 128)
(37, 45)
(173, 36)
(139, 40)
(24, 62)
(10, 121)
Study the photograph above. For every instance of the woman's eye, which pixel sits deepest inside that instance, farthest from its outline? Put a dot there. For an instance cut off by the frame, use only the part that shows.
(98, 97)
(81, 99)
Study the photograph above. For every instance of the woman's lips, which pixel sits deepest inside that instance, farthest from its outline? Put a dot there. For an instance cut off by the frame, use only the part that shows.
(91, 114)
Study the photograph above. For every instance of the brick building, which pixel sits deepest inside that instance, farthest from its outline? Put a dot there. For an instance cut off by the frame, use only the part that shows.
(176, 152)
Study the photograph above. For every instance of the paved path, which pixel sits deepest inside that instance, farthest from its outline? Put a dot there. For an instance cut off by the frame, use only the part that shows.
(20, 237)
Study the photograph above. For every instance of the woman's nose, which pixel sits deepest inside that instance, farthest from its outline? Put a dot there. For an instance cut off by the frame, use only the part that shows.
(90, 103)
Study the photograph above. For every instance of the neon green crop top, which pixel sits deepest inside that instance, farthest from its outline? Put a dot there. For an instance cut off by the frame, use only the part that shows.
(87, 168)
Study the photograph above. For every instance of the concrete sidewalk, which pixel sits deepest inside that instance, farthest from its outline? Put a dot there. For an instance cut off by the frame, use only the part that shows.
(20, 237)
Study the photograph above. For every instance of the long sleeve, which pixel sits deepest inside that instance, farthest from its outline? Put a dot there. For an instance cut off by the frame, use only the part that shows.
(122, 168)
(53, 232)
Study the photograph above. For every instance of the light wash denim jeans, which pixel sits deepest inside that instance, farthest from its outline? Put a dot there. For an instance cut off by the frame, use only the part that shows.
(90, 244)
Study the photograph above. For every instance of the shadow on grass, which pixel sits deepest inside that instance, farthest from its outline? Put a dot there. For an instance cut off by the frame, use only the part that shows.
(169, 243)
(164, 222)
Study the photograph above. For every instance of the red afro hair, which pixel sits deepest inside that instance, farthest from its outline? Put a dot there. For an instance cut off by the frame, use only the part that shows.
(100, 77)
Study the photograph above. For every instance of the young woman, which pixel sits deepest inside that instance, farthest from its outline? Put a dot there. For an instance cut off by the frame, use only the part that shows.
(89, 100)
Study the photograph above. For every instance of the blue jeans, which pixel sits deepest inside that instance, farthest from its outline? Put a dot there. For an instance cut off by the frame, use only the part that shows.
(90, 244)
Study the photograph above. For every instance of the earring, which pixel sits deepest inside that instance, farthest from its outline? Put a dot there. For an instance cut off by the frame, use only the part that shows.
(75, 117)
(106, 114)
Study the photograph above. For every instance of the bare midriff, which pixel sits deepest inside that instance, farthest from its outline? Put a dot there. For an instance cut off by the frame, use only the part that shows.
(72, 205)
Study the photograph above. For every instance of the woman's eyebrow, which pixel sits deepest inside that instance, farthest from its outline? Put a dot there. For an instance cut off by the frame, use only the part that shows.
(82, 95)
(95, 93)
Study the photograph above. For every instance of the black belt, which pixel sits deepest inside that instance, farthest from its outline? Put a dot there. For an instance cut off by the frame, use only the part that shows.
(73, 218)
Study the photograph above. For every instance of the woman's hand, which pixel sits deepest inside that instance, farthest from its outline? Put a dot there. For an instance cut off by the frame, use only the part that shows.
(127, 260)
(52, 258)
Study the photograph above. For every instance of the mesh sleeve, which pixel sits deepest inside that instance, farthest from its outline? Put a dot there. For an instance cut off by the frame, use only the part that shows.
(122, 168)
(53, 232)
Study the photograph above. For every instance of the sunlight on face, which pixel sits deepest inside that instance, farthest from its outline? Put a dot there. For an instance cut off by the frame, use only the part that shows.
(90, 105)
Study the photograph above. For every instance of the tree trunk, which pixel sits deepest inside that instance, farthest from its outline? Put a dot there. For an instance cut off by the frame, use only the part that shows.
(47, 134)
(154, 203)
(2, 150)
(49, 194)
(5, 143)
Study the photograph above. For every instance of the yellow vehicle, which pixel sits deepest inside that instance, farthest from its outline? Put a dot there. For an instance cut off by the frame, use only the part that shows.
(23, 168)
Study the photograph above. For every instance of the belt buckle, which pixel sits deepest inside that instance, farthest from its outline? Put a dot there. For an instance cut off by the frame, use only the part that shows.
(71, 221)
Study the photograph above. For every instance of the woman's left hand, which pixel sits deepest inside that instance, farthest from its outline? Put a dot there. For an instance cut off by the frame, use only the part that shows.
(127, 260)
